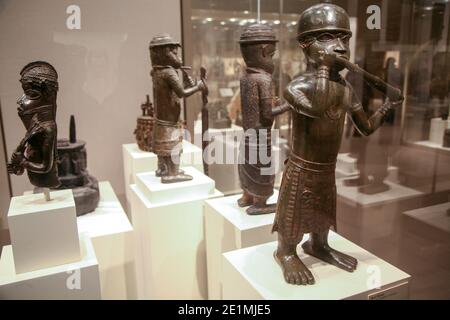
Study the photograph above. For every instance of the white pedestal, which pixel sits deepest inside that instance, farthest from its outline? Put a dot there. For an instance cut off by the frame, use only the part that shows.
(43, 233)
(78, 280)
(136, 161)
(431, 145)
(437, 129)
(229, 133)
(111, 234)
(346, 167)
(225, 170)
(435, 216)
(373, 216)
(353, 197)
(253, 274)
(228, 228)
(171, 257)
(200, 186)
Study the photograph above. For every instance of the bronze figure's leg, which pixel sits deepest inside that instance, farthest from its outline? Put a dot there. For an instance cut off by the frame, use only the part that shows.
(162, 167)
(260, 206)
(246, 200)
(294, 271)
(317, 246)
(174, 174)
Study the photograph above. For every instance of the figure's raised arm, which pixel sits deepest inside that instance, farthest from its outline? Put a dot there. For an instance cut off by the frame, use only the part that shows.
(362, 123)
(295, 94)
(177, 85)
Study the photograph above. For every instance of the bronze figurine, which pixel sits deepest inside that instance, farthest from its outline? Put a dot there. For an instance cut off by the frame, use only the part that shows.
(73, 174)
(144, 128)
(320, 99)
(258, 46)
(167, 92)
(37, 153)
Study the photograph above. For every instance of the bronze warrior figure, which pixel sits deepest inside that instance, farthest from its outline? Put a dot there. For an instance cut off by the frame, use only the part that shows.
(168, 89)
(258, 46)
(320, 99)
(37, 153)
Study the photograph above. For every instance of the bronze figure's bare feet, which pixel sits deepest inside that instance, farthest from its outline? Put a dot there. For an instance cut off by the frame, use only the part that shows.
(331, 256)
(256, 210)
(294, 271)
(177, 178)
(245, 201)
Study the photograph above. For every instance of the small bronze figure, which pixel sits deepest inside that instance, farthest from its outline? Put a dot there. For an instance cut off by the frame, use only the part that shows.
(144, 128)
(258, 46)
(320, 99)
(168, 89)
(73, 174)
(37, 153)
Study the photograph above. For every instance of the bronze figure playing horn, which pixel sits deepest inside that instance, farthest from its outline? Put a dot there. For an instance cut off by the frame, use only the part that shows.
(168, 89)
(320, 99)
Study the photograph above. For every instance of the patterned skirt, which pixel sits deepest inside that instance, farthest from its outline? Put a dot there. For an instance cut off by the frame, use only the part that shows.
(167, 138)
(256, 170)
(307, 199)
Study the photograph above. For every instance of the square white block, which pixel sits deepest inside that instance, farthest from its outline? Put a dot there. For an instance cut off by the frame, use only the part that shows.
(252, 273)
(74, 281)
(111, 233)
(43, 233)
(228, 227)
(137, 161)
(201, 186)
(224, 170)
(170, 243)
(230, 133)
(346, 167)
(437, 129)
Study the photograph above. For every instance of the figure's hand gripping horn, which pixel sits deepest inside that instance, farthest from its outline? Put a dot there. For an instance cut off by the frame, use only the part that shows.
(394, 94)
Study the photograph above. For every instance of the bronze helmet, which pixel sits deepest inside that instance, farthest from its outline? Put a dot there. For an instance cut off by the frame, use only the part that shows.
(257, 33)
(323, 17)
(40, 72)
(163, 40)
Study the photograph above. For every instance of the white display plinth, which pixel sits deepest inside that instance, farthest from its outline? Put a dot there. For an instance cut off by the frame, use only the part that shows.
(224, 171)
(436, 216)
(229, 227)
(43, 233)
(346, 167)
(253, 274)
(230, 133)
(437, 129)
(78, 280)
(169, 238)
(156, 192)
(111, 234)
(137, 161)
(353, 197)
(431, 145)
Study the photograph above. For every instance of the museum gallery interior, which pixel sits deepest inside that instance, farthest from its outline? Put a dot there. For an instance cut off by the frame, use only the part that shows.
(225, 150)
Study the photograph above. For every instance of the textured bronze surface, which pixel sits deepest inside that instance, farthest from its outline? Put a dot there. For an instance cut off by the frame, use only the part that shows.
(258, 46)
(37, 153)
(144, 127)
(168, 89)
(320, 99)
(73, 173)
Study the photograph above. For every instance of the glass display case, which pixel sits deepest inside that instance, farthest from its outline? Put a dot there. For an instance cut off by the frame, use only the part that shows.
(393, 187)
(163, 229)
